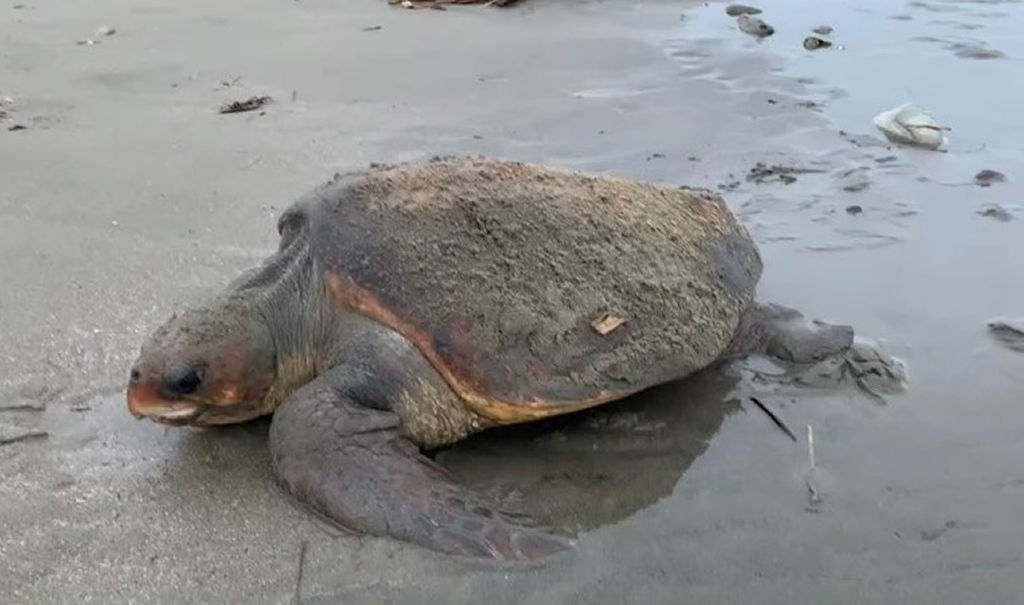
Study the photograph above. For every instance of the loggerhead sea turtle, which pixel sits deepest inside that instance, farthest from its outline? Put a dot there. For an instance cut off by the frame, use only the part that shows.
(410, 306)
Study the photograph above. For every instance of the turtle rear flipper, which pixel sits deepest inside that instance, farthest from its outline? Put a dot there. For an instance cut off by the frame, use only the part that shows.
(785, 334)
(816, 353)
(352, 464)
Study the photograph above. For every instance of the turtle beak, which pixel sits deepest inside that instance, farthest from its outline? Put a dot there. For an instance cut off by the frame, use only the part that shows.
(145, 401)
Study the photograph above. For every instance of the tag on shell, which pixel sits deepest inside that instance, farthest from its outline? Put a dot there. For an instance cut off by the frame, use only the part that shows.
(607, 323)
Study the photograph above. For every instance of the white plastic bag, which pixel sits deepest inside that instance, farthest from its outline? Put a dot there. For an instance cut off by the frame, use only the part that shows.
(910, 125)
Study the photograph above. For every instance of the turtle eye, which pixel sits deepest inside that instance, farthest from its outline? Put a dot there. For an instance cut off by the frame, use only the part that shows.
(184, 382)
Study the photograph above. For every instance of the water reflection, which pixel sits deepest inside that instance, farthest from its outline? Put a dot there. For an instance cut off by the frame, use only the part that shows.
(597, 467)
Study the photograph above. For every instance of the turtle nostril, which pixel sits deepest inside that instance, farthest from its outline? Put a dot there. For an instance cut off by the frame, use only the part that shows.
(135, 375)
(185, 382)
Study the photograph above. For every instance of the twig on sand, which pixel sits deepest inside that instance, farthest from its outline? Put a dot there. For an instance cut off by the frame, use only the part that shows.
(298, 575)
(23, 437)
(810, 445)
(250, 104)
(24, 407)
(814, 498)
(775, 419)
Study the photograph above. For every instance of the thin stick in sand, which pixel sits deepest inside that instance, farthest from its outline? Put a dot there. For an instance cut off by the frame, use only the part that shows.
(775, 419)
(813, 496)
(810, 444)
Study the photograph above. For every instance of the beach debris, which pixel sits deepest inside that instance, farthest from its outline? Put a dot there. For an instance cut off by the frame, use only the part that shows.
(373, 28)
(814, 43)
(823, 30)
(763, 173)
(995, 211)
(735, 10)
(971, 51)
(910, 125)
(23, 407)
(17, 436)
(986, 177)
(439, 4)
(250, 104)
(778, 422)
(607, 323)
(14, 127)
(731, 185)
(1008, 331)
(103, 32)
(754, 26)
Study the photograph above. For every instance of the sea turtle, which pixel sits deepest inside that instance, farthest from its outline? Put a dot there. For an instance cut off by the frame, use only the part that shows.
(409, 306)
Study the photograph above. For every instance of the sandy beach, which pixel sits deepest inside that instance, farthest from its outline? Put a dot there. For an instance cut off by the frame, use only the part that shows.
(126, 196)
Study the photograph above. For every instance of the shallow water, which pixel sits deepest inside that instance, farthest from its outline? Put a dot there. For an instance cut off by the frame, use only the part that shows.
(125, 200)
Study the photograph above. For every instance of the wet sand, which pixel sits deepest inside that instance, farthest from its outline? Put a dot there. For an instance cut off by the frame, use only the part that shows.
(127, 196)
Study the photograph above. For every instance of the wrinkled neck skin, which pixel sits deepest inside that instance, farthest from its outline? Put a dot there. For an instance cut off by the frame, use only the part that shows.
(288, 294)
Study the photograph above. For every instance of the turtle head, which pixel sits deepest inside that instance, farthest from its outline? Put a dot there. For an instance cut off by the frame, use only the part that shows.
(215, 364)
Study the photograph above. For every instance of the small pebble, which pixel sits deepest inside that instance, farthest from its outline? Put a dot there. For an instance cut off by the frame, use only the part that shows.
(823, 30)
(814, 43)
(1009, 331)
(754, 26)
(735, 10)
(986, 177)
(106, 31)
(854, 209)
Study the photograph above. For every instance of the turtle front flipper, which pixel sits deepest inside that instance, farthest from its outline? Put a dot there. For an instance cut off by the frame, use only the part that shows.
(351, 463)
